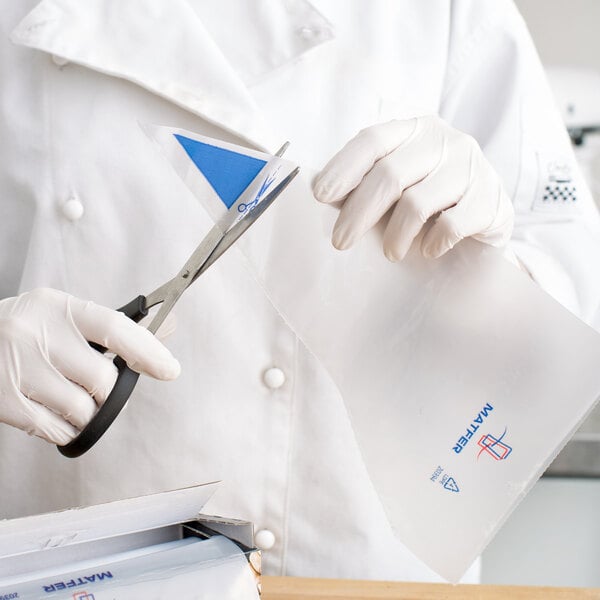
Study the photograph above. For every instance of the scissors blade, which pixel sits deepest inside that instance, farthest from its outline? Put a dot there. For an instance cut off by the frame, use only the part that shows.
(237, 230)
(169, 293)
(193, 265)
(212, 247)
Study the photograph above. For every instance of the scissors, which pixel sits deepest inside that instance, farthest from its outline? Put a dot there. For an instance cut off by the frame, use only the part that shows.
(220, 238)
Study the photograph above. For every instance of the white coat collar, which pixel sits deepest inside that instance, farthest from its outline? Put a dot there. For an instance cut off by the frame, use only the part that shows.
(201, 55)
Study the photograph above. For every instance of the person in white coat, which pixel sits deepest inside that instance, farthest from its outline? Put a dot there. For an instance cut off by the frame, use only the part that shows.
(456, 119)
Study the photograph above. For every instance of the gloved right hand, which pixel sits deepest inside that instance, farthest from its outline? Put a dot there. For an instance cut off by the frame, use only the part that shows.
(51, 380)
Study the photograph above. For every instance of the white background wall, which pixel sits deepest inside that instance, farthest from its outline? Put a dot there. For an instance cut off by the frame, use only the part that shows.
(553, 537)
(566, 32)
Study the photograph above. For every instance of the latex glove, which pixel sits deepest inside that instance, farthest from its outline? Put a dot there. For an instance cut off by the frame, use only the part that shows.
(423, 167)
(51, 380)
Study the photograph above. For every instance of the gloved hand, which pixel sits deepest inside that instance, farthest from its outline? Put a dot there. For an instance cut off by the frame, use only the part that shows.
(51, 380)
(424, 167)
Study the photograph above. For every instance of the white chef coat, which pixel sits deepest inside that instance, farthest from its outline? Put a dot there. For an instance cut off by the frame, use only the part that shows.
(88, 206)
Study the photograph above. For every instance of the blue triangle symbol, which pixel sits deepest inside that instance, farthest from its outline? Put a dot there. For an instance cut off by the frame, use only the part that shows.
(229, 173)
(451, 485)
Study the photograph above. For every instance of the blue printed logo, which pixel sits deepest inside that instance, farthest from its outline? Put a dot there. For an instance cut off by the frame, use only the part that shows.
(229, 173)
(446, 481)
(71, 583)
(495, 447)
(451, 485)
(242, 207)
(464, 439)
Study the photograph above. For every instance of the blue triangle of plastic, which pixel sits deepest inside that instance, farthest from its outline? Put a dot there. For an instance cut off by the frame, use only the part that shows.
(229, 173)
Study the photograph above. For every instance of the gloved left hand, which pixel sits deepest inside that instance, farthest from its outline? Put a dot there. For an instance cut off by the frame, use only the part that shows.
(423, 167)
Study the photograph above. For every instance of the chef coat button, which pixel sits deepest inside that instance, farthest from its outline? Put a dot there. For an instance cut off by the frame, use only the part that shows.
(274, 378)
(264, 539)
(308, 33)
(59, 61)
(72, 209)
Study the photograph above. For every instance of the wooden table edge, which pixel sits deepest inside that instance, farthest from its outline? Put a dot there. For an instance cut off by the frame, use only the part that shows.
(295, 588)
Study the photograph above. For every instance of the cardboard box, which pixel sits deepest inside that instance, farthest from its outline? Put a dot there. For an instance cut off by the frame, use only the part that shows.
(43, 552)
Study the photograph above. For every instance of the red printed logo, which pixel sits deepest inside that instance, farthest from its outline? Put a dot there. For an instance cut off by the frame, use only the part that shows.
(495, 447)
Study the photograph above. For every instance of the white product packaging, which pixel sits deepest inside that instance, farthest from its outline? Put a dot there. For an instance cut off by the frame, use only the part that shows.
(150, 547)
(462, 378)
(219, 172)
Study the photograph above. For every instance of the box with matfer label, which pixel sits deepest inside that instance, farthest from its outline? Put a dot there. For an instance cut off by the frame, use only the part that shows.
(156, 546)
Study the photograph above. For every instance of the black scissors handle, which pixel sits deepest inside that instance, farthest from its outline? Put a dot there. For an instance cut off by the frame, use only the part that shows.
(209, 250)
(136, 310)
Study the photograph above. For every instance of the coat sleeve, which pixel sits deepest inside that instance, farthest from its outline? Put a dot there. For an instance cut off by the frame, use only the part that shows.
(495, 89)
